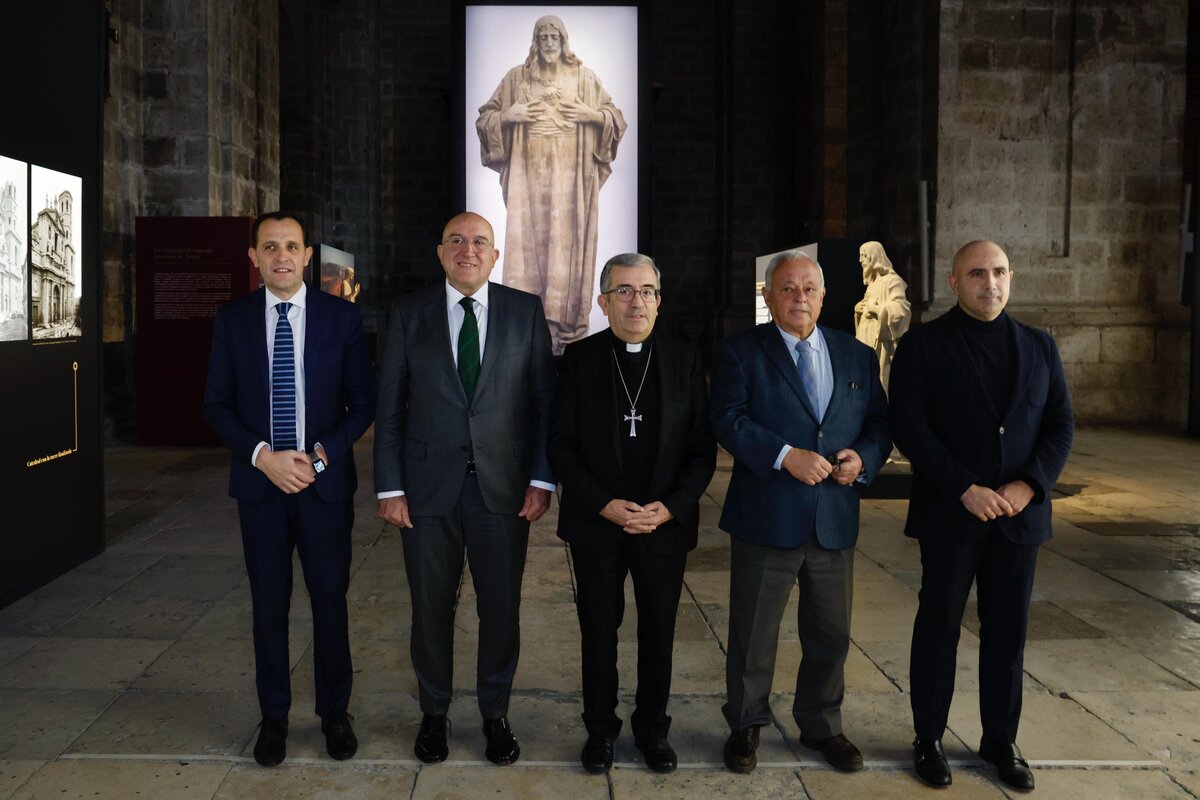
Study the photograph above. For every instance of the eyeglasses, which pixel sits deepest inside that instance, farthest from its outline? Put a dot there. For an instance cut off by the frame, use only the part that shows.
(625, 294)
(461, 242)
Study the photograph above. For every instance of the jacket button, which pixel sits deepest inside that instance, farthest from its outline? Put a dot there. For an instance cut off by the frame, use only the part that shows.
(820, 434)
(1001, 430)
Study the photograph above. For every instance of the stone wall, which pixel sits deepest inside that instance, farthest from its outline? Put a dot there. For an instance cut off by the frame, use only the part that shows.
(189, 130)
(1060, 138)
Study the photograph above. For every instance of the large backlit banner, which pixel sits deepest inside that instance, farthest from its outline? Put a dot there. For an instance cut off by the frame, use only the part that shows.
(551, 131)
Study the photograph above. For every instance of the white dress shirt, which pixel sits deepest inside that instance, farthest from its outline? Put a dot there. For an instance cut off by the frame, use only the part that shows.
(296, 317)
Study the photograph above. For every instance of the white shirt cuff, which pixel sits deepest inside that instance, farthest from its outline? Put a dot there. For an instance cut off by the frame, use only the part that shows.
(386, 495)
(549, 487)
(257, 450)
(782, 453)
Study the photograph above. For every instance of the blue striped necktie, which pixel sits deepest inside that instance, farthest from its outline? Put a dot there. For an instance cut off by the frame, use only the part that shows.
(808, 375)
(283, 384)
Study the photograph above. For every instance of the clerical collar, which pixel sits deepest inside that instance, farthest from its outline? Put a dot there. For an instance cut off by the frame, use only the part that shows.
(632, 348)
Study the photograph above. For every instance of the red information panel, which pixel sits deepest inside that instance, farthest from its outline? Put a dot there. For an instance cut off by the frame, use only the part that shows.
(187, 268)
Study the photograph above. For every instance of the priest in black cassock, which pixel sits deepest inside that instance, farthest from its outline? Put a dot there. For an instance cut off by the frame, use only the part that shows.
(631, 446)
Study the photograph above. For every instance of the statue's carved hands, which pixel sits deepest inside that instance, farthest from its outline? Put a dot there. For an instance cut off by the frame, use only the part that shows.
(524, 112)
(578, 112)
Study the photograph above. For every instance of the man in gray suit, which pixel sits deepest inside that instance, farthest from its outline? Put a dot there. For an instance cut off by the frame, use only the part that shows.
(466, 384)
(801, 409)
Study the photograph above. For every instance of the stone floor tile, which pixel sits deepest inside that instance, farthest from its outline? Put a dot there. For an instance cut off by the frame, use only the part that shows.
(151, 618)
(1178, 584)
(861, 674)
(175, 724)
(41, 616)
(42, 724)
(295, 782)
(378, 586)
(385, 723)
(1096, 665)
(207, 586)
(1074, 784)
(196, 665)
(696, 667)
(14, 773)
(13, 646)
(120, 780)
(1181, 656)
(61, 663)
(388, 621)
(880, 620)
(1189, 780)
(508, 783)
(543, 666)
(201, 538)
(1166, 724)
(1053, 728)
(708, 587)
(895, 784)
(1134, 618)
(1063, 582)
(1046, 621)
(639, 784)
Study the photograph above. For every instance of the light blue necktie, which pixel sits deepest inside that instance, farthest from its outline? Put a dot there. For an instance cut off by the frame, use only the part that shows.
(283, 385)
(808, 375)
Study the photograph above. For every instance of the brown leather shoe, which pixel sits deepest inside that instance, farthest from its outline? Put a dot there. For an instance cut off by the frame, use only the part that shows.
(838, 751)
(741, 750)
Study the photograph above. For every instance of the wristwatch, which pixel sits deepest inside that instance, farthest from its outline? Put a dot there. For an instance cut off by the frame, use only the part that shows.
(317, 462)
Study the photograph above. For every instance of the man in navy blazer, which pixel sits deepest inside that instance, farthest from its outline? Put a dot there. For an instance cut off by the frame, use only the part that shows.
(466, 384)
(802, 410)
(980, 407)
(297, 495)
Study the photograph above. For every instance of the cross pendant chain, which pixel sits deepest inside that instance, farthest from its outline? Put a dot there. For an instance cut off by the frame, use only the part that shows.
(633, 418)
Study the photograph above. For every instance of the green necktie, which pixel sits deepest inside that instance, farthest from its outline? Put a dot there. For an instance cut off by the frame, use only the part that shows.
(468, 349)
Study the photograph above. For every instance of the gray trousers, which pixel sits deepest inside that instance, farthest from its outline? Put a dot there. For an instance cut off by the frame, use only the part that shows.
(494, 545)
(760, 581)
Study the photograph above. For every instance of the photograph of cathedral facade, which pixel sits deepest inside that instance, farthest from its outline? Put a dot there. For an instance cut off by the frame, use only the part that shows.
(53, 245)
(14, 324)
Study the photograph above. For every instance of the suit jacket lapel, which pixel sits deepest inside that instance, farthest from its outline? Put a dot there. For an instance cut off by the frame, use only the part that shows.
(439, 334)
(1024, 368)
(837, 361)
(258, 343)
(495, 337)
(778, 355)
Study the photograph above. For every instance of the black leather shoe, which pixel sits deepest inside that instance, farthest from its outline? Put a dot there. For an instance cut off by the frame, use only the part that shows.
(1012, 768)
(271, 747)
(658, 754)
(502, 747)
(838, 751)
(431, 746)
(340, 741)
(597, 755)
(741, 750)
(930, 762)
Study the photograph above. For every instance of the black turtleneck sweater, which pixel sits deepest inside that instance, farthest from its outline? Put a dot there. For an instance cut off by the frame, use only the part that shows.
(993, 353)
(638, 453)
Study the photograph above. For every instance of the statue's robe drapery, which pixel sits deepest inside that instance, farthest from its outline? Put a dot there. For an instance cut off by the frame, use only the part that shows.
(551, 173)
(886, 296)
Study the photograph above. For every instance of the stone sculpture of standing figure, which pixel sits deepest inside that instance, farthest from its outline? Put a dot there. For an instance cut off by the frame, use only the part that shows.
(551, 131)
(883, 315)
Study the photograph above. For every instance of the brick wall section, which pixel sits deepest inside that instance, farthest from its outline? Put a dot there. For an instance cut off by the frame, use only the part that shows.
(189, 130)
(892, 131)
(1088, 214)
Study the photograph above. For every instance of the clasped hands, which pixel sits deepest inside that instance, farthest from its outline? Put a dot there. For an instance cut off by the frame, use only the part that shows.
(635, 518)
(811, 467)
(987, 504)
(290, 470)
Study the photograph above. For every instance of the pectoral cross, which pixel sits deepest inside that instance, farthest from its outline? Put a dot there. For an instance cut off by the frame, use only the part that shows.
(633, 418)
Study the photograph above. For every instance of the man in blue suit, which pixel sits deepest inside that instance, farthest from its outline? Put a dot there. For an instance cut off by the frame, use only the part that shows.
(801, 409)
(290, 389)
(980, 406)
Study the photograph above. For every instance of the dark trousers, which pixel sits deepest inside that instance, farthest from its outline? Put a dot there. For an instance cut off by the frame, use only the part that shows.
(600, 570)
(494, 545)
(760, 581)
(1003, 574)
(320, 532)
